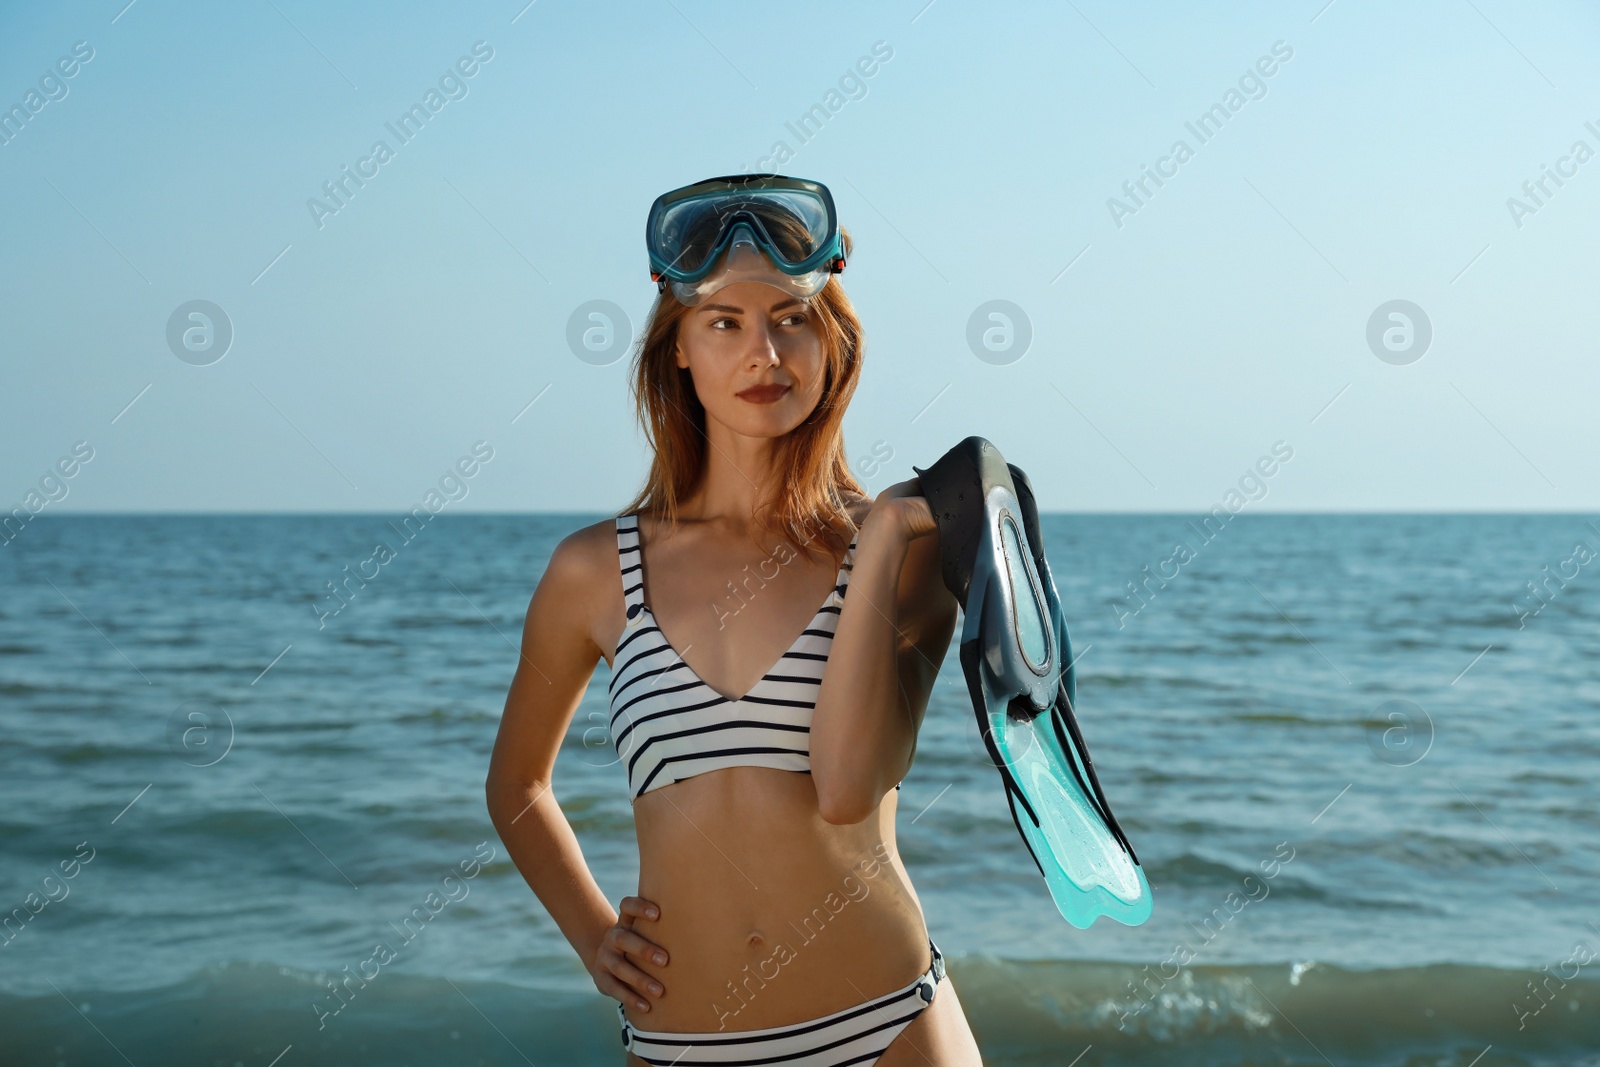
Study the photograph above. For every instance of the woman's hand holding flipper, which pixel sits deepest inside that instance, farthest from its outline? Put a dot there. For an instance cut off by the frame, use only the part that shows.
(615, 967)
(903, 504)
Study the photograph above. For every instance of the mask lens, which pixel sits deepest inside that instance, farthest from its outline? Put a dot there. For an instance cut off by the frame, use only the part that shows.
(793, 222)
(744, 261)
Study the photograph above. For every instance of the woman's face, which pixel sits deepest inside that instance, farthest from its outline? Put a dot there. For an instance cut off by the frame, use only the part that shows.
(745, 339)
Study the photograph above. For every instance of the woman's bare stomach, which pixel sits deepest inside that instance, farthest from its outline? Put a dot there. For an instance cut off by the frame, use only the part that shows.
(769, 914)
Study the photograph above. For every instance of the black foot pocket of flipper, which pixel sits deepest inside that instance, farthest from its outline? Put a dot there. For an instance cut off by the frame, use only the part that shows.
(955, 487)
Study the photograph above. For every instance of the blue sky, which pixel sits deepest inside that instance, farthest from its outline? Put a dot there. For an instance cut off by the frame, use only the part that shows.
(1174, 340)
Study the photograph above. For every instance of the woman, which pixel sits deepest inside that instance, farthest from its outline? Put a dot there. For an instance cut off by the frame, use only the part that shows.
(775, 921)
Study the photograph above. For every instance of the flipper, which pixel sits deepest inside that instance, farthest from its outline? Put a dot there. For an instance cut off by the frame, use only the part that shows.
(1018, 663)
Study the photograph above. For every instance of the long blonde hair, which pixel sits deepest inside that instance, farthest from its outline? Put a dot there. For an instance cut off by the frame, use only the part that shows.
(808, 503)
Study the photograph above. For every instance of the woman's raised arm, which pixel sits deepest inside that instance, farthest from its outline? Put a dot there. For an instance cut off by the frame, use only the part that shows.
(892, 634)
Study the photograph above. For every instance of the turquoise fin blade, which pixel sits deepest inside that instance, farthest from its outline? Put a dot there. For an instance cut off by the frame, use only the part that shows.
(1085, 866)
(1017, 660)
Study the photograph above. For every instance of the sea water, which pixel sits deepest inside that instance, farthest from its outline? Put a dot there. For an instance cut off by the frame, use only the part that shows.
(1356, 754)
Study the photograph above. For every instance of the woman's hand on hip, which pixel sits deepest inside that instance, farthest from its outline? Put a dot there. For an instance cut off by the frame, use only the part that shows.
(616, 966)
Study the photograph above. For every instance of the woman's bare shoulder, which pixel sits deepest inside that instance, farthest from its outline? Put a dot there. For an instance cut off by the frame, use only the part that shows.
(577, 600)
(585, 560)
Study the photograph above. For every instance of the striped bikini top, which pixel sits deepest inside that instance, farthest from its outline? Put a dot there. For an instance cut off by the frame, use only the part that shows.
(669, 725)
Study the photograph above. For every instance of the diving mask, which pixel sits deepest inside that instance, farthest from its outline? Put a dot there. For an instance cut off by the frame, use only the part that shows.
(769, 228)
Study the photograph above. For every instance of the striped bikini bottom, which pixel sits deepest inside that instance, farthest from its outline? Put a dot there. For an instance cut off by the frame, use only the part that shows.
(856, 1035)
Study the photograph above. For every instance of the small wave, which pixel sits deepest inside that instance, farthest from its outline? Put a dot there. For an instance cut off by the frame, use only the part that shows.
(1436, 852)
(1544, 777)
(93, 753)
(1195, 872)
(183, 639)
(308, 726)
(1246, 638)
(1021, 1011)
(430, 622)
(1442, 1013)
(368, 642)
(448, 716)
(1115, 681)
(1284, 719)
